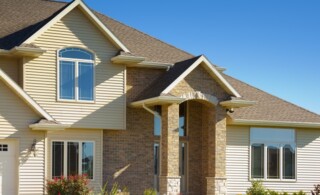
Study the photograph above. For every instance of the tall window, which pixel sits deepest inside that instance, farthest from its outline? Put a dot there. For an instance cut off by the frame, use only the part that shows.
(273, 153)
(76, 74)
(72, 158)
(183, 119)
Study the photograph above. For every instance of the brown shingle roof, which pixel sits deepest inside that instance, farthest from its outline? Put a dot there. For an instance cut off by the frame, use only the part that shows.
(164, 81)
(268, 107)
(19, 19)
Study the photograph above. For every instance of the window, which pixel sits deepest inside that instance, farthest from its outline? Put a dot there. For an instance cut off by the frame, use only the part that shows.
(273, 153)
(76, 75)
(157, 121)
(72, 158)
(183, 119)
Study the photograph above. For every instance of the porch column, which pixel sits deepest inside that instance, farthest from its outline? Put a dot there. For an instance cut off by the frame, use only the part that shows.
(216, 179)
(169, 147)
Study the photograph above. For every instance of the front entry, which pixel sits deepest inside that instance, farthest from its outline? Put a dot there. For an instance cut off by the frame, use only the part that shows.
(8, 168)
(183, 168)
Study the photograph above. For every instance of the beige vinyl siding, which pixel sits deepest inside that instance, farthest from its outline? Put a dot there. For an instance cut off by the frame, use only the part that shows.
(79, 135)
(237, 161)
(15, 117)
(75, 30)
(11, 67)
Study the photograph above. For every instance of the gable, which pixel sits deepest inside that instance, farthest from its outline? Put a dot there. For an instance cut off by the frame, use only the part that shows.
(199, 80)
(78, 4)
(76, 30)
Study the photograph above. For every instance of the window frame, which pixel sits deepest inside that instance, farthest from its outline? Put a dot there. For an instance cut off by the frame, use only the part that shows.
(76, 61)
(65, 156)
(280, 145)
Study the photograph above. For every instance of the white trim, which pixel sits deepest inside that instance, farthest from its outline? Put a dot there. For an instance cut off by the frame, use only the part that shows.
(22, 51)
(49, 127)
(76, 61)
(89, 14)
(158, 100)
(211, 69)
(237, 103)
(23, 95)
(123, 59)
(65, 160)
(274, 123)
(280, 146)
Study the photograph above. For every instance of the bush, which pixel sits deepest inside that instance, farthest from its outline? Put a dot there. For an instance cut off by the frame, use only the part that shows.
(150, 192)
(114, 190)
(256, 189)
(76, 185)
(299, 193)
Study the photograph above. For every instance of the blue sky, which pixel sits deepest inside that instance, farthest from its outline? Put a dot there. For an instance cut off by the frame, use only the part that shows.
(271, 44)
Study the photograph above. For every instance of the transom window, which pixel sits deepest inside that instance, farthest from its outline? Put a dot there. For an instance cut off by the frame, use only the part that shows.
(72, 158)
(76, 74)
(273, 153)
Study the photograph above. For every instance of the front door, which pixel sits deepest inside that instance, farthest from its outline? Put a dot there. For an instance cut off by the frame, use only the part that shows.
(8, 168)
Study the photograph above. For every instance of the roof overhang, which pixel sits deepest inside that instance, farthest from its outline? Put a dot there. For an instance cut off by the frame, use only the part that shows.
(24, 96)
(84, 8)
(138, 61)
(160, 100)
(245, 122)
(49, 127)
(22, 51)
(237, 103)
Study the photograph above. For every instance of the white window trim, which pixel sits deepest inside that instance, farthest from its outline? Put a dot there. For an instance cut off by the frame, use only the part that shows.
(76, 61)
(265, 163)
(65, 156)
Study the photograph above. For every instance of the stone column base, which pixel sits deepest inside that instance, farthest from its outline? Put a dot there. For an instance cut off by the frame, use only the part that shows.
(169, 185)
(216, 186)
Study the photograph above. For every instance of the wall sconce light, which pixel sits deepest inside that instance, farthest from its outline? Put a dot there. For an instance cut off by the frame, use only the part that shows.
(33, 148)
(230, 110)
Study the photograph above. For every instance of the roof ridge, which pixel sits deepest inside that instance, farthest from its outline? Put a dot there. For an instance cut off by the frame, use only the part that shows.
(139, 31)
(274, 96)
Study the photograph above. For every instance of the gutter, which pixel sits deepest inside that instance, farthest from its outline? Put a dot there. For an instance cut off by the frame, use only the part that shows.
(310, 125)
(22, 51)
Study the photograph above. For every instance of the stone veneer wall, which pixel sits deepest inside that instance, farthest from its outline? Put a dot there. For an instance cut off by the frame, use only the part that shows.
(132, 148)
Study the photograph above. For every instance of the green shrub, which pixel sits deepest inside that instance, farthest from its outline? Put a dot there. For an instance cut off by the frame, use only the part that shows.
(299, 193)
(76, 185)
(150, 192)
(114, 190)
(256, 189)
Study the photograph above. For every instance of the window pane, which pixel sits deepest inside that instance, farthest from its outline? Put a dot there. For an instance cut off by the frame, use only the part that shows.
(157, 121)
(87, 159)
(273, 162)
(85, 81)
(57, 159)
(182, 119)
(67, 80)
(257, 161)
(156, 149)
(73, 158)
(289, 159)
(76, 53)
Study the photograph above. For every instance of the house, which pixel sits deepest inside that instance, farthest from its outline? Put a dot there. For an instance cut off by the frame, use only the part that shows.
(84, 94)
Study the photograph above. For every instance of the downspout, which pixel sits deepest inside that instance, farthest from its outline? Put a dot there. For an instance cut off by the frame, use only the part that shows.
(151, 111)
